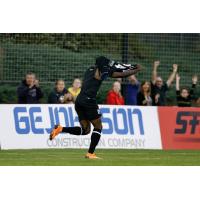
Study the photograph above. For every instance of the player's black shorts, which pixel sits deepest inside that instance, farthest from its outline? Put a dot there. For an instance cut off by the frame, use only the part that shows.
(87, 108)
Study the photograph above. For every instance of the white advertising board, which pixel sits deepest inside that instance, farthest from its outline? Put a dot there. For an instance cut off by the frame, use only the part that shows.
(125, 127)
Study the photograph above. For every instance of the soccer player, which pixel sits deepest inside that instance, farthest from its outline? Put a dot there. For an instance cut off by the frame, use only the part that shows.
(86, 105)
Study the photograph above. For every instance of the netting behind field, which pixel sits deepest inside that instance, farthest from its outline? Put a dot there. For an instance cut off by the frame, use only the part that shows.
(53, 56)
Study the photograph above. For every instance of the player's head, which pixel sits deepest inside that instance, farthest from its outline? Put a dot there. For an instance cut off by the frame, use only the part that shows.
(102, 63)
(30, 78)
(60, 85)
(159, 81)
(184, 92)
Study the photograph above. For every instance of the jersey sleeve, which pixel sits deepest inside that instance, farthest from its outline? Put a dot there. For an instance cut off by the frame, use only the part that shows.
(110, 72)
(119, 67)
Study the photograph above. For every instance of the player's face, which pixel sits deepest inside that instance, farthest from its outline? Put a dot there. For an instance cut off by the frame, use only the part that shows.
(76, 83)
(116, 87)
(60, 86)
(159, 82)
(30, 79)
(184, 93)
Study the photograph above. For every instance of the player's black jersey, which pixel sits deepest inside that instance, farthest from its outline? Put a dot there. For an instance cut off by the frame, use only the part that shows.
(90, 85)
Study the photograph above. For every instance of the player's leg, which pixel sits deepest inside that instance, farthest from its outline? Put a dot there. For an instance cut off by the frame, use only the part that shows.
(96, 135)
(76, 130)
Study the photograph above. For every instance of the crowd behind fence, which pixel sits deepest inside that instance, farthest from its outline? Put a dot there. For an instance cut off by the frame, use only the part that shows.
(66, 56)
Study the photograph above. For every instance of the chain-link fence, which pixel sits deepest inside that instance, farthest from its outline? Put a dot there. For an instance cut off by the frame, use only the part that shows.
(66, 56)
(53, 56)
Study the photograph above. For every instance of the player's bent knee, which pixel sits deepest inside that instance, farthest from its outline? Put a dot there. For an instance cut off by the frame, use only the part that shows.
(98, 126)
(86, 131)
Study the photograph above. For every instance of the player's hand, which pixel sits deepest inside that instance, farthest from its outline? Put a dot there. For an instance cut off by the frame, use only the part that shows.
(195, 79)
(178, 77)
(156, 63)
(175, 67)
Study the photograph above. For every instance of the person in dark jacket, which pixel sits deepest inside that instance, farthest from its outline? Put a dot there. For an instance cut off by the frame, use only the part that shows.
(29, 91)
(132, 88)
(144, 96)
(159, 88)
(185, 96)
(58, 95)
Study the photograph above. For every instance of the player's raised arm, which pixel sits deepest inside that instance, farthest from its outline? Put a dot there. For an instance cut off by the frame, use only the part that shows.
(128, 70)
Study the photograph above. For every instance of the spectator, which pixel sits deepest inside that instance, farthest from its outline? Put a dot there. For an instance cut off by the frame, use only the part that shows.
(114, 96)
(144, 96)
(185, 96)
(132, 89)
(58, 94)
(158, 88)
(76, 88)
(29, 91)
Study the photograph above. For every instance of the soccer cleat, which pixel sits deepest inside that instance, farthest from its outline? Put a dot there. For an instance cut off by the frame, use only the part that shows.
(57, 129)
(91, 156)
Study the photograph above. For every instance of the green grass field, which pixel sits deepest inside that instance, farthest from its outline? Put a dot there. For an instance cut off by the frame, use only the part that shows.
(75, 157)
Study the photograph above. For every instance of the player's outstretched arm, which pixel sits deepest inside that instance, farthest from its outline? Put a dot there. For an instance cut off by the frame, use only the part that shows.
(127, 72)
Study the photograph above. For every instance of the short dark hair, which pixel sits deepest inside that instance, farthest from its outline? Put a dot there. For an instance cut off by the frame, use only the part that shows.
(101, 61)
(185, 88)
(56, 83)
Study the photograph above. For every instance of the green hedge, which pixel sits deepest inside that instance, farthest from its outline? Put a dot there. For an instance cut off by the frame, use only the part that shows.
(8, 93)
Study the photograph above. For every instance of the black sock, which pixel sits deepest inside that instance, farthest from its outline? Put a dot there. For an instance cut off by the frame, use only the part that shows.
(73, 130)
(96, 134)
